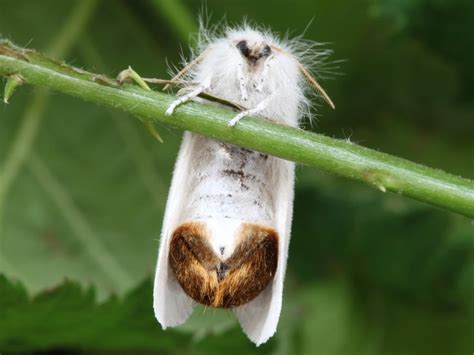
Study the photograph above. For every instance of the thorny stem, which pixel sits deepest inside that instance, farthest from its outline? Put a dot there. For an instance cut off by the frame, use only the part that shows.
(385, 172)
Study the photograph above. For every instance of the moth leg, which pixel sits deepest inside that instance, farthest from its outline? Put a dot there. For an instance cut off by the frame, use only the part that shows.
(254, 111)
(263, 76)
(242, 82)
(206, 84)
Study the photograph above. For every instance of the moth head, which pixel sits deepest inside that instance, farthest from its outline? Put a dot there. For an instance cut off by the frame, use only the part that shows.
(229, 283)
(253, 51)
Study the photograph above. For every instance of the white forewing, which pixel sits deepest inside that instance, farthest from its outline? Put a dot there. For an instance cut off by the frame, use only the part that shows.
(172, 306)
(259, 318)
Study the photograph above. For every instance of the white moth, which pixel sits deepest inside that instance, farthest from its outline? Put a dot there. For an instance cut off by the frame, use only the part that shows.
(227, 223)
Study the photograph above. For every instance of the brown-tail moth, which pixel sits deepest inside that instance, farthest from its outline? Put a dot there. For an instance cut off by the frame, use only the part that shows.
(227, 223)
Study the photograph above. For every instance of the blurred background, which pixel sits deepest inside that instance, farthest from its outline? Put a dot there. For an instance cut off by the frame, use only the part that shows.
(83, 188)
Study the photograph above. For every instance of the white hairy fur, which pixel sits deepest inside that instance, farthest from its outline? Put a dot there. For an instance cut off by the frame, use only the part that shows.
(273, 89)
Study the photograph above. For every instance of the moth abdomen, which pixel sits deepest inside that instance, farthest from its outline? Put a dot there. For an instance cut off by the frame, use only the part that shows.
(229, 283)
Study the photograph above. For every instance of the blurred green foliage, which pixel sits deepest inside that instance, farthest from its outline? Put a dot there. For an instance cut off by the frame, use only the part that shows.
(369, 273)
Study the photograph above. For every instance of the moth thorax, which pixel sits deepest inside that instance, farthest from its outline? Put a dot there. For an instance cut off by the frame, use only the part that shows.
(228, 283)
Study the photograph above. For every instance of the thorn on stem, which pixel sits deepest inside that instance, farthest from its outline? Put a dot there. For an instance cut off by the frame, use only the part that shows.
(152, 129)
(130, 74)
(13, 81)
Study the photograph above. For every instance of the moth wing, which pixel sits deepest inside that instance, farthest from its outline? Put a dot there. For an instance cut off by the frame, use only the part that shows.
(259, 318)
(171, 305)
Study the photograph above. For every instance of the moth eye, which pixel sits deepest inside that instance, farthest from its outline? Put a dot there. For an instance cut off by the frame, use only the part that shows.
(266, 51)
(244, 49)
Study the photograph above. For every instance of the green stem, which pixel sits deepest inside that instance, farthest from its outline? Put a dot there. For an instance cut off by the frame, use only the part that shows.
(385, 172)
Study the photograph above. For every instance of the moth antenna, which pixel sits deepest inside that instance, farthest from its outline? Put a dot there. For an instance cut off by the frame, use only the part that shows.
(310, 79)
(183, 71)
(315, 85)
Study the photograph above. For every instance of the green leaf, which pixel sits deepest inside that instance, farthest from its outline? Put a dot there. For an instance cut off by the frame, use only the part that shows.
(68, 316)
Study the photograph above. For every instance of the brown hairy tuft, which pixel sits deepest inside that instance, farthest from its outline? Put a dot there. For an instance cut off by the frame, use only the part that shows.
(229, 283)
